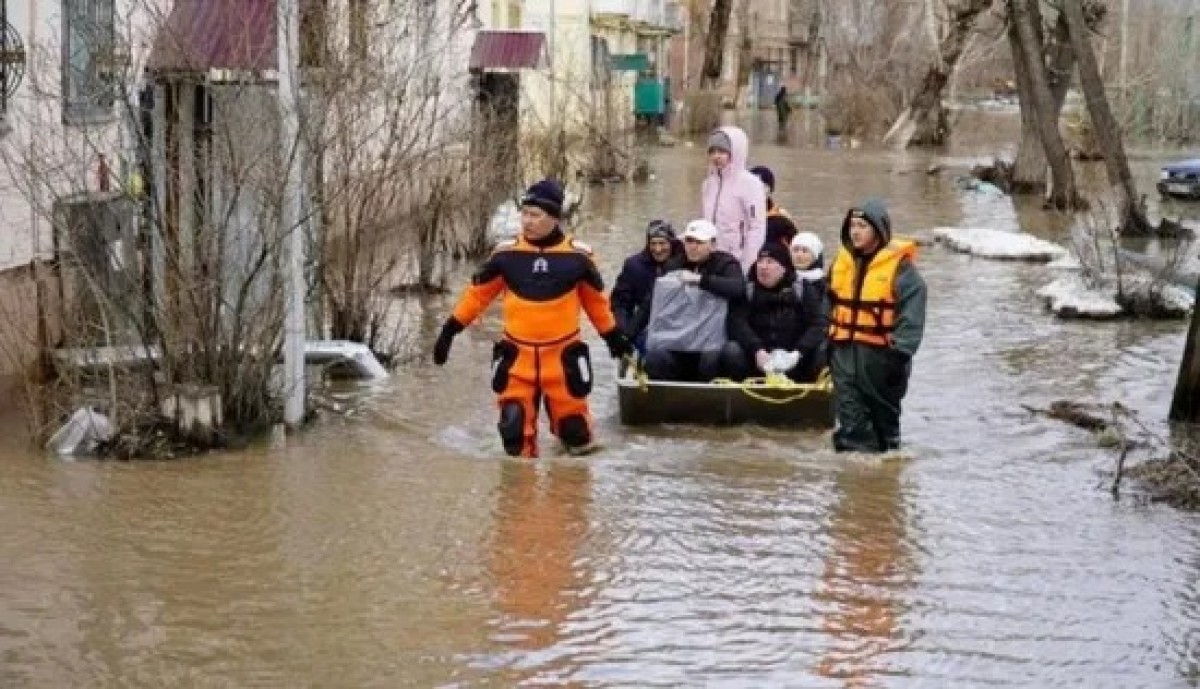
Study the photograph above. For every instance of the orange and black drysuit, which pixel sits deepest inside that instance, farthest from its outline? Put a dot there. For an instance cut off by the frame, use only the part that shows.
(541, 358)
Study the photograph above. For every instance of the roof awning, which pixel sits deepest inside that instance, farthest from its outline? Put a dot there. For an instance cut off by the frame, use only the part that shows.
(235, 35)
(496, 49)
(630, 62)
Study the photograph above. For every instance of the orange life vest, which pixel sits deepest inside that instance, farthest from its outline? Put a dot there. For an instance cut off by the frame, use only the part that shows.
(865, 310)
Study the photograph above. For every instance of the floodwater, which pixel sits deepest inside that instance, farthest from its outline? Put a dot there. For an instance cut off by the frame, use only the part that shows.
(392, 546)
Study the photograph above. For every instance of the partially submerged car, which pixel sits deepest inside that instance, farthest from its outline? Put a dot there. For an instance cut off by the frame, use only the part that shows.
(1181, 180)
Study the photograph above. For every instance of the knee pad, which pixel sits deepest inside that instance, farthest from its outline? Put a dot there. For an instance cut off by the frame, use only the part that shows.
(512, 428)
(574, 432)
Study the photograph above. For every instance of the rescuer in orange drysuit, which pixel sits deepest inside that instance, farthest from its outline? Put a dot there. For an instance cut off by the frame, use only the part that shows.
(546, 278)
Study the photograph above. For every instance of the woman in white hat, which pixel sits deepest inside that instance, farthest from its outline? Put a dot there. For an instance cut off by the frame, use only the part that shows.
(808, 257)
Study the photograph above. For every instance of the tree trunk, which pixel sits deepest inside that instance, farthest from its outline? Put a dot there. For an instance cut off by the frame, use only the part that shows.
(714, 44)
(1063, 194)
(924, 121)
(1029, 169)
(1185, 406)
(1108, 134)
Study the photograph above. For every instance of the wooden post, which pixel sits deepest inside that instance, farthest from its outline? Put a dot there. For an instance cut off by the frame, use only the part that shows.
(1185, 406)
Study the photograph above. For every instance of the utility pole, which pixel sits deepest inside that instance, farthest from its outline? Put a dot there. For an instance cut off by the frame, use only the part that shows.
(294, 284)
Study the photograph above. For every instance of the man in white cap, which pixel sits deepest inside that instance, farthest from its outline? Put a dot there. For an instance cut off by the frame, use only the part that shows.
(704, 266)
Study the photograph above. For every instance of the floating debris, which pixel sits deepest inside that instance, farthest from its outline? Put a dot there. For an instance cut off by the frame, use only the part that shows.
(998, 244)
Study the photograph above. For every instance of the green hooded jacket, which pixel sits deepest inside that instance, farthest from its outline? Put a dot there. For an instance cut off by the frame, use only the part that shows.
(910, 286)
(871, 381)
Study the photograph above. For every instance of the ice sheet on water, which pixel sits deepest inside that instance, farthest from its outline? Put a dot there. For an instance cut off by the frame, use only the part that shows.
(1071, 297)
(998, 244)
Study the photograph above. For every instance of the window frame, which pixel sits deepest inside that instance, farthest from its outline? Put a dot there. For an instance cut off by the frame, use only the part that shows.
(98, 105)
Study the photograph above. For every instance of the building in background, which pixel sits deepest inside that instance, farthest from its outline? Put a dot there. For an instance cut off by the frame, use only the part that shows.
(771, 43)
(64, 65)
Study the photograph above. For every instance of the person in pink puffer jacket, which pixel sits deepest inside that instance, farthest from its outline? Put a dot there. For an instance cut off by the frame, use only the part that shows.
(733, 198)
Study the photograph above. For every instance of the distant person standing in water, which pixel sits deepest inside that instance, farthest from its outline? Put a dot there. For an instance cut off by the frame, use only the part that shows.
(783, 107)
(732, 198)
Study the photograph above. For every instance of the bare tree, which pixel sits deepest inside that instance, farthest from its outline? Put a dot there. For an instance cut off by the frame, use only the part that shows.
(714, 43)
(171, 254)
(1030, 166)
(1028, 57)
(871, 52)
(1159, 57)
(924, 120)
(1132, 216)
(1185, 404)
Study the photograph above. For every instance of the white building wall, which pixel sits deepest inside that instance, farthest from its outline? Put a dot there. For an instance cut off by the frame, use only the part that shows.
(561, 94)
(41, 156)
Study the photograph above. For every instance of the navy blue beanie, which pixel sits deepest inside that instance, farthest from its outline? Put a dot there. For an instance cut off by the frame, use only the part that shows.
(547, 195)
(764, 173)
(660, 228)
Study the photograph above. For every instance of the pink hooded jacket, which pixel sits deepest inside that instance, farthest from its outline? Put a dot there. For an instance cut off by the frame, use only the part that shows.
(735, 200)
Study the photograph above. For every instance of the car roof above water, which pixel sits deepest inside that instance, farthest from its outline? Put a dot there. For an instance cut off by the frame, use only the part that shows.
(1192, 165)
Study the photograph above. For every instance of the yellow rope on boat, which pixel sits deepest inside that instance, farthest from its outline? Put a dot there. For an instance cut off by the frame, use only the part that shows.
(779, 382)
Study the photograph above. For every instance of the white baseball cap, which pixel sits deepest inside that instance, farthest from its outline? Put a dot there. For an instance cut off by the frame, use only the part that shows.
(701, 230)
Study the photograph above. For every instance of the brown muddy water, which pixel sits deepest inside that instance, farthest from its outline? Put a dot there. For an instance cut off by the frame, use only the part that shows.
(392, 546)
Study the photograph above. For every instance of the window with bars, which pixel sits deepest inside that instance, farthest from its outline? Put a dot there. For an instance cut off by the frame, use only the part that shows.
(90, 61)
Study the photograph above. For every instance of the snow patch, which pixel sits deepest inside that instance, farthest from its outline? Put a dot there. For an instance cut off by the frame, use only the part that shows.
(998, 244)
(1072, 297)
(1066, 263)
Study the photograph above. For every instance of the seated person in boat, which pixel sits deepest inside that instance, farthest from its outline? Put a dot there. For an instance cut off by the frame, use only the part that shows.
(780, 312)
(687, 335)
(780, 230)
(808, 255)
(636, 280)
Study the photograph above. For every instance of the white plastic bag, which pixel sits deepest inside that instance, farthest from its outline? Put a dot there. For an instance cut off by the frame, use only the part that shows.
(781, 361)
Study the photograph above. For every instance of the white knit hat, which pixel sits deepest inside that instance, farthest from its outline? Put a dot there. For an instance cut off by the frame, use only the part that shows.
(810, 241)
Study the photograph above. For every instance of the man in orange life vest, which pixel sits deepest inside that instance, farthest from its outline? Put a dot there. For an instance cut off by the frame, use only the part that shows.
(546, 278)
(876, 322)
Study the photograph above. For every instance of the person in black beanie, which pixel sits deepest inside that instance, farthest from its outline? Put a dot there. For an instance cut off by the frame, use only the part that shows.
(767, 175)
(635, 283)
(779, 313)
(546, 278)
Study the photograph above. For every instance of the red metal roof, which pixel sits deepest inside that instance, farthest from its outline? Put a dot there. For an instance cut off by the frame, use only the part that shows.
(199, 35)
(508, 49)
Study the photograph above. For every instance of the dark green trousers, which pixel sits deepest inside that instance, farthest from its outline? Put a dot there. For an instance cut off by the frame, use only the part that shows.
(869, 384)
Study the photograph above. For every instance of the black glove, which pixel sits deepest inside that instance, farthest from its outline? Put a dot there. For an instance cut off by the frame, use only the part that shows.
(619, 345)
(441, 348)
